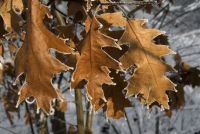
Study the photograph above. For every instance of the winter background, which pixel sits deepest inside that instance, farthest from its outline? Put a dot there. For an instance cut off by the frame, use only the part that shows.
(182, 25)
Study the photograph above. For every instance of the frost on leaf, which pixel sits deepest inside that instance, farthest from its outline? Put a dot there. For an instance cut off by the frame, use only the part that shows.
(116, 101)
(149, 78)
(110, 20)
(34, 60)
(93, 63)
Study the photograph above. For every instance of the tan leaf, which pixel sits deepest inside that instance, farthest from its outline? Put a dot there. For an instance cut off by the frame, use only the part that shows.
(8, 14)
(93, 63)
(116, 101)
(5, 10)
(17, 6)
(112, 19)
(149, 77)
(34, 60)
(88, 22)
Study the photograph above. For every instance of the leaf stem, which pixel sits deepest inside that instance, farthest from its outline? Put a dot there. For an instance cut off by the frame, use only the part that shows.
(89, 119)
(79, 111)
(30, 120)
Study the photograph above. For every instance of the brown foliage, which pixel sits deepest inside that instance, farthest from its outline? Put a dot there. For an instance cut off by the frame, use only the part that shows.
(93, 63)
(116, 101)
(99, 52)
(150, 71)
(34, 60)
(8, 11)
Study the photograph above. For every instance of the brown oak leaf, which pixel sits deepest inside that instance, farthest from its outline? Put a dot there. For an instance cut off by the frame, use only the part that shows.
(8, 11)
(116, 101)
(93, 63)
(110, 20)
(149, 77)
(35, 61)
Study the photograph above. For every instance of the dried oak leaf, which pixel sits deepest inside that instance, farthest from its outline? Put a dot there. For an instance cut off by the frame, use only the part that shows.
(34, 60)
(93, 63)
(113, 19)
(110, 20)
(116, 101)
(8, 11)
(17, 6)
(149, 77)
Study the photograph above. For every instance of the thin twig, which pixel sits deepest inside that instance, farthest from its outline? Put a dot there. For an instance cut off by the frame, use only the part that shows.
(30, 119)
(128, 122)
(127, 3)
(79, 111)
(88, 126)
(113, 126)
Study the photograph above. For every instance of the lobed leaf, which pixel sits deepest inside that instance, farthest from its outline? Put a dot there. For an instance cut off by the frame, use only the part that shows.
(149, 77)
(93, 63)
(35, 61)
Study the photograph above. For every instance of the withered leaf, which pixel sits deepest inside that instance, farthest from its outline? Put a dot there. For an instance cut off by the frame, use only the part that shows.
(17, 6)
(116, 101)
(110, 20)
(149, 77)
(34, 60)
(8, 11)
(93, 63)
